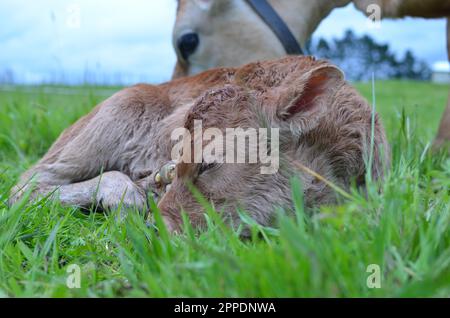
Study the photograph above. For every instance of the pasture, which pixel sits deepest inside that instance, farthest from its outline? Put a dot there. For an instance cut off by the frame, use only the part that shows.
(404, 228)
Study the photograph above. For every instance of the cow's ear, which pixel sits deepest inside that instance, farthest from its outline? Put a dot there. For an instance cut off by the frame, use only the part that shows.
(308, 94)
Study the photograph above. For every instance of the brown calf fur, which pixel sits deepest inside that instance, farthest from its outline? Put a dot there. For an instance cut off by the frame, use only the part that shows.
(111, 156)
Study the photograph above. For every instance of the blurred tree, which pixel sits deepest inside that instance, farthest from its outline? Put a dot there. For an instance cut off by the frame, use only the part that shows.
(7, 77)
(359, 57)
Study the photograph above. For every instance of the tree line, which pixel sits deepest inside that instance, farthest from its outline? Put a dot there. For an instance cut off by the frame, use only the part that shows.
(359, 57)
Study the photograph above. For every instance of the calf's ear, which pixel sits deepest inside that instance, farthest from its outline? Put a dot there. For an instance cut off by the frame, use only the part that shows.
(303, 101)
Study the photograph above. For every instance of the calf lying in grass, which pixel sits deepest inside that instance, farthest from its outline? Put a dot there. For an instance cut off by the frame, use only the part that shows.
(119, 153)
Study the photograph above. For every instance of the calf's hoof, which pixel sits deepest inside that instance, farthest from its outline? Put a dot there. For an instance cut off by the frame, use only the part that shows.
(116, 190)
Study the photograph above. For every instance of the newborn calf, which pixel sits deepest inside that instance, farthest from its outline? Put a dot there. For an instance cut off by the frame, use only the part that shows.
(119, 153)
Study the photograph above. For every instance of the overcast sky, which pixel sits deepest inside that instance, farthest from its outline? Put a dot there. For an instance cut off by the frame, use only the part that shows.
(130, 40)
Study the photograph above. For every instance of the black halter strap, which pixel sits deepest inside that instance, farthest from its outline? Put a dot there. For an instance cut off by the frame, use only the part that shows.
(278, 26)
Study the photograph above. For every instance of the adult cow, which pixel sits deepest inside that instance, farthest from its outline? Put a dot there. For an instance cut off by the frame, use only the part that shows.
(211, 33)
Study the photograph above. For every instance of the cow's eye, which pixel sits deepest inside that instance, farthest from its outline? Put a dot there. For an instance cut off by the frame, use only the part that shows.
(206, 166)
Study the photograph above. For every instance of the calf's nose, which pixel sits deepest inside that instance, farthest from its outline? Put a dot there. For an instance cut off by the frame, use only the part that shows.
(187, 44)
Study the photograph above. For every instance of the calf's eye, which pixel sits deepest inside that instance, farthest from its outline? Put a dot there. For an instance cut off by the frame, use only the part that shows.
(206, 166)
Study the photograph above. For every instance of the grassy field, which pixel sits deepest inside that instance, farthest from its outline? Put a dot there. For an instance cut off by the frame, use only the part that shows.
(405, 229)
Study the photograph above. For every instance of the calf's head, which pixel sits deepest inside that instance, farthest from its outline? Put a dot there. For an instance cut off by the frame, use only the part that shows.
(242, 142)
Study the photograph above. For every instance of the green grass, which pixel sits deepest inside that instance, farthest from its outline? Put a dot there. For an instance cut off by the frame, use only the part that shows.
(405, 228)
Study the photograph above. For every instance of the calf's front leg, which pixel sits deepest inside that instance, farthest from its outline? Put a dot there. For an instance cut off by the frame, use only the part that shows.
(108, 191)
(104, 140)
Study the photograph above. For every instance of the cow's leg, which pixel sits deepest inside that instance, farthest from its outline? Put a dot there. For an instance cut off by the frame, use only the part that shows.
(58, 180)
(443, 136)
(107, 191)
(100, 141)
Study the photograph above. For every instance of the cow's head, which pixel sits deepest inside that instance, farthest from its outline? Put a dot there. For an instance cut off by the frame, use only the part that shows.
(212, 33)
(216, 33)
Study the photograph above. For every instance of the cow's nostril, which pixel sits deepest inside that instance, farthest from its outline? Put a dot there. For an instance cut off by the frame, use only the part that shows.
(187, 44)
